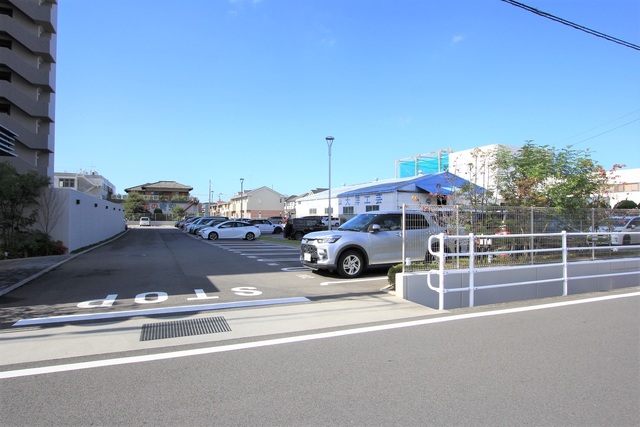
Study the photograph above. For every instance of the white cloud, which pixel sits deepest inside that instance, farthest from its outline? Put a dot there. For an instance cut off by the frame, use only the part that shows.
(457, 39)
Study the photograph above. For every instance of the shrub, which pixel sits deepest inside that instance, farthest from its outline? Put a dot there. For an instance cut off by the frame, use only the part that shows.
(36, 243)
(391, 274)
(626, 204)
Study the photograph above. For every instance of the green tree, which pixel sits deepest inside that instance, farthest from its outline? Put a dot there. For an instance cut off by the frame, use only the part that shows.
(134, 205)
(540, 176)
(178, 211)
(574, 181)
(18, 202)
(522, 177)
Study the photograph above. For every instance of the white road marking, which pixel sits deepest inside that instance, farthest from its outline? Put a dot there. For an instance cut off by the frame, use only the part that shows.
(154, 311)
(296, 339)
(341, 282)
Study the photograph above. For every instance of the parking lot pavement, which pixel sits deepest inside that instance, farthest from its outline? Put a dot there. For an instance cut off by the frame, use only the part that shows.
(17, 272)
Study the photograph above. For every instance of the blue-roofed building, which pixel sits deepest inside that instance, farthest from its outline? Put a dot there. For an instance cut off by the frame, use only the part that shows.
(432, 190)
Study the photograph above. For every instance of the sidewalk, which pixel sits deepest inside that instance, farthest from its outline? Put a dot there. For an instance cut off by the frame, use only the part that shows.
(17, 272)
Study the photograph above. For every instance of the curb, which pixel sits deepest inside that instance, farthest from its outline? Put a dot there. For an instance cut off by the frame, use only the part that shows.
(51, 267)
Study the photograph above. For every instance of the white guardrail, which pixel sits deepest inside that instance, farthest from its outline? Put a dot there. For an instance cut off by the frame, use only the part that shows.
(472, 242)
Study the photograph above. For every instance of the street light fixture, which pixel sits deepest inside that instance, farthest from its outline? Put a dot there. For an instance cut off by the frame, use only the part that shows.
(241, 195)
(329, 144)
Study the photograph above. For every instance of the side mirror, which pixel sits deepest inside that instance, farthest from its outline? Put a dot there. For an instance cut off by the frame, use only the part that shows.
(374, 228)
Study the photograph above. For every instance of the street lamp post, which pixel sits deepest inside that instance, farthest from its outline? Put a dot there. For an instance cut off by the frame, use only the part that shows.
(241, 194)
(329, 144)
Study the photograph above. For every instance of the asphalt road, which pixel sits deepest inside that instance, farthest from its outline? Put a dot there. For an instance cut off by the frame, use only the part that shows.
(347, 356)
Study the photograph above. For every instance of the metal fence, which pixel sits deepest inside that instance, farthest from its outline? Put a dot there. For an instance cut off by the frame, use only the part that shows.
(512, 236)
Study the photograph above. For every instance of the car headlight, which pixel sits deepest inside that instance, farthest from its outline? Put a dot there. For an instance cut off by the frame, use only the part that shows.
(329, 239)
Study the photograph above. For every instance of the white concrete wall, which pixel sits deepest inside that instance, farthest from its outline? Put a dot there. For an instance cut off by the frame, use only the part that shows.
(605, 275)
(83, 220)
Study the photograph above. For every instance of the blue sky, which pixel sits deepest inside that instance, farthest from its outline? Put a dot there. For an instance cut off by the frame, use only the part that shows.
(211, 91)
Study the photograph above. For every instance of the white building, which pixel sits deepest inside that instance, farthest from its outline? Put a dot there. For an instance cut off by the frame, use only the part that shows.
(89, 183)
(625, 186)
(475, 165)
(431, 190)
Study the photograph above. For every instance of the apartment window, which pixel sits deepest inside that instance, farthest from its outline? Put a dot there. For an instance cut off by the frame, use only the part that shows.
(370, 208)
(5, 109)
(5, 43)
(67, 183)
(347, 210)
(5, 75)
(6, 11)
(313, 211)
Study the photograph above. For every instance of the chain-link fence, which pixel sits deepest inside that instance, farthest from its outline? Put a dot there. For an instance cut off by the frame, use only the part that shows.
(519, 235)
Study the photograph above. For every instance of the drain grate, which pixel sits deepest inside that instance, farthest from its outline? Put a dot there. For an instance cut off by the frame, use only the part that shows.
(183, 328)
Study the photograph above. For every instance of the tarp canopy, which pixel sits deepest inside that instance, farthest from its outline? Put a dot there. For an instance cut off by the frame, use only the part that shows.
(443, 183)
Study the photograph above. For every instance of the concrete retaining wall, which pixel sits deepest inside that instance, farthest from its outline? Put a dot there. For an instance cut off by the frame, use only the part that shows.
(413, 286)
(82, 220)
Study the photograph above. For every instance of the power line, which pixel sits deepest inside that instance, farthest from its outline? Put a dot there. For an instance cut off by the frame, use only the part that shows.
(607, 131)
(572, 24)
(600, 125)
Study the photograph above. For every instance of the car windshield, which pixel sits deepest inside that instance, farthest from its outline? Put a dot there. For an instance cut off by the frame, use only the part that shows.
(359, 222)
(614, 221)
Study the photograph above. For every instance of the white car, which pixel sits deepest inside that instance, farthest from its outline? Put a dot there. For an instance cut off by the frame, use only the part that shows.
(145, 221)
(625, 230)
(266, 226)
(230, 230)
(335, 222)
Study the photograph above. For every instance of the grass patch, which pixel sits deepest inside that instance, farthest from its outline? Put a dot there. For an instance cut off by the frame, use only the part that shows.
(85, 248)
(277, 238)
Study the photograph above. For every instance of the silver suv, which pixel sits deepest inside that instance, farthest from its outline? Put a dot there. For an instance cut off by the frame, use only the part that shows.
(369, 239)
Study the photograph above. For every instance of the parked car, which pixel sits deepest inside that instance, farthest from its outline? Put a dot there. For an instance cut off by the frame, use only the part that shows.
(625, 231)
(188, 220)
(278, 220)
(368, 239)
(266, 226)
(335, 222)
(301, 226)
(201, 220)
(145, 221)
(194, 228)
(230, 230)
(182, 221)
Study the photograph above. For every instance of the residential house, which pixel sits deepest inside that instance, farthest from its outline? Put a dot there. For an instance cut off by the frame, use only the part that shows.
(262, 202)
(165, 195)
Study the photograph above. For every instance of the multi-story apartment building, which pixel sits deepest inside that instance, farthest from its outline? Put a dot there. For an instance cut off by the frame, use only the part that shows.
(27, 83)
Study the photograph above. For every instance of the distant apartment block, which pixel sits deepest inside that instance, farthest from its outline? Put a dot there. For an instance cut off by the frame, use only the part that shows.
(89, 183)
(27, 84)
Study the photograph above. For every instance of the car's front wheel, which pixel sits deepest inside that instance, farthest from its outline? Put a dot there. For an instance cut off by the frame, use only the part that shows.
(250, 236)
(212, 236)
(350, 264)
